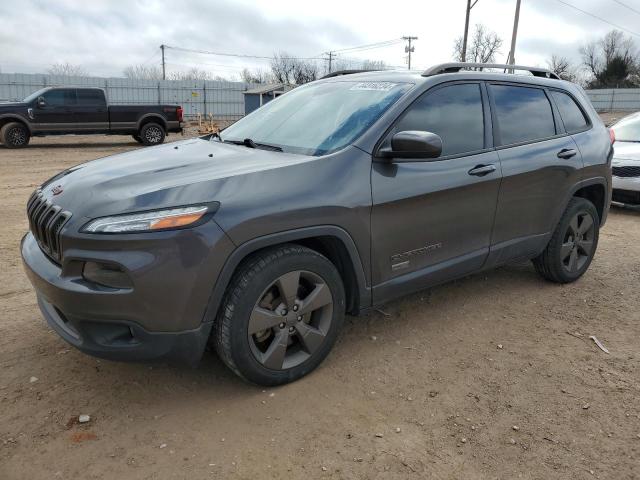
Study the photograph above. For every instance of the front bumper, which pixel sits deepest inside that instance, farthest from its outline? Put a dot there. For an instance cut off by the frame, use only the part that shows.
(161, 316)
(626, 191)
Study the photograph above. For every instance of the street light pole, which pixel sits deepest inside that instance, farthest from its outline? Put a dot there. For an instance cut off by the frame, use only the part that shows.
(463, 56)
(514, 36)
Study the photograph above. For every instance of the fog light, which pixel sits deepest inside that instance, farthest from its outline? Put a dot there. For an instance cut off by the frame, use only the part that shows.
(107, 275)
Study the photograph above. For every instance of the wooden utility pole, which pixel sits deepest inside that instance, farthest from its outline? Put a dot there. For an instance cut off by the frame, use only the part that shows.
(331, 54)
(463, 57)
(409, 49)
(164, 76)
(514, 36)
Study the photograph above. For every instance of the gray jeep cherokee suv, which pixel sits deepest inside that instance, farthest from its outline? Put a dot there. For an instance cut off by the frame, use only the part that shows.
(338, 196)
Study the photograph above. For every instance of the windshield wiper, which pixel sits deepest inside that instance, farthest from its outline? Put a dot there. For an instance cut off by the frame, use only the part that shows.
(247, 142)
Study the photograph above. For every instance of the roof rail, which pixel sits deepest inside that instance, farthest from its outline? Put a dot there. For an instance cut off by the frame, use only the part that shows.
(345, 72)
(457, 66)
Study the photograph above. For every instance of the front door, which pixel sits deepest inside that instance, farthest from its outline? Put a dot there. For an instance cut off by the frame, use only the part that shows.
(432, 220)
(56, 113)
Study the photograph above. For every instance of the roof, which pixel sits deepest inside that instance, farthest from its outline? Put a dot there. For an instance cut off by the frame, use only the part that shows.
(268, 88)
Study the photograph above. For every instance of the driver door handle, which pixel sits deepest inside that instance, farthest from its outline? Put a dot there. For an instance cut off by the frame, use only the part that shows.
(567, 153)
(482, 170)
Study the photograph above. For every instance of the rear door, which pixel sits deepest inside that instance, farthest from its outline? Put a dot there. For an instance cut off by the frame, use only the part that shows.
(432, 220)
(56, 115)
(91, 110)
(540, 164)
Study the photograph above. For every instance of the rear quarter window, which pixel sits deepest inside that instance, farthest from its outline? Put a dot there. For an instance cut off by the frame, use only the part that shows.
(523, 114)
(572, 115)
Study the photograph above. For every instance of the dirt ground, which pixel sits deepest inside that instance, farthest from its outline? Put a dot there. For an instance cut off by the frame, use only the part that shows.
(492, 376)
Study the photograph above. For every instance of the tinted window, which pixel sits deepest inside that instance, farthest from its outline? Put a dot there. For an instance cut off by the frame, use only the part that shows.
(454, 113)
(60, 97)
(523, 113)
(90, 97)
(572, 116)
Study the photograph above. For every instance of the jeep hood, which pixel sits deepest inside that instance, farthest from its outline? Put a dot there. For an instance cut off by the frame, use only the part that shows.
(180, 173)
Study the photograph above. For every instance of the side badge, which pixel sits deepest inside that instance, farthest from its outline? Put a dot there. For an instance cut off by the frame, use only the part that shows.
(57, 190)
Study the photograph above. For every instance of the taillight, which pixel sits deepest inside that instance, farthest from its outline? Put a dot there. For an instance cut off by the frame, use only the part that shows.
(612, 136)
(179, 113)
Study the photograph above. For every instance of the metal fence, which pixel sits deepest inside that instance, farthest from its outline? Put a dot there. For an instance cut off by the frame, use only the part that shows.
(223, 100)
(615, 99)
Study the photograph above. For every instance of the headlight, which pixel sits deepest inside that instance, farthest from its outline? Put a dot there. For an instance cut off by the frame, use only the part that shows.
(147, 221)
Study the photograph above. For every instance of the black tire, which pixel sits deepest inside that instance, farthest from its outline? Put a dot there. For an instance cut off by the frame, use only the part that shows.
(151, 134)
(573, 243)
(256, 281)
(137, 138)
(14, 135)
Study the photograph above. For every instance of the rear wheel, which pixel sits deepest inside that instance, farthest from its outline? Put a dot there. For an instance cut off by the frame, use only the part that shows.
(151, 134)
(572, 245)
(281, 315)
(14, 135)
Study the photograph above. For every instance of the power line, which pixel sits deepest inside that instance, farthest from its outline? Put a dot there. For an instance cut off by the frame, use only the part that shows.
(371, 46)
(627, 6)
(599, 18)
(238, 55)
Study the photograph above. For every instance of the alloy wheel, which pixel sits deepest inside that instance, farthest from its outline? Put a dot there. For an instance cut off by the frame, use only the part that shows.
(153, 134)
(578, 244)
(290, 320)
(17, 136)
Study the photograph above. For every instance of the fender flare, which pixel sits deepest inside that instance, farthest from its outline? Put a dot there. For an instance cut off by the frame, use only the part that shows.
(251, 246)
(160, 119)
(18, 118)
(586, 183)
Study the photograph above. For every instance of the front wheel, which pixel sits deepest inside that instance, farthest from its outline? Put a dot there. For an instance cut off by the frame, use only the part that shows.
(572, 245)
(151, 134)
(280, 316)
(14, 135)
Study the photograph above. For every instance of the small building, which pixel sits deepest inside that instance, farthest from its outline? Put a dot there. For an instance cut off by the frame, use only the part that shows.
(256, 97)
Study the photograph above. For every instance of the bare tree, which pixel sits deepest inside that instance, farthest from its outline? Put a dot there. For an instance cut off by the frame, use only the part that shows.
(256, 76)
(483, 48)
(67, 69)
(291, 70)
(374, 65)
(612, 61)
(562, 67)
(143, 72)
(192, 74)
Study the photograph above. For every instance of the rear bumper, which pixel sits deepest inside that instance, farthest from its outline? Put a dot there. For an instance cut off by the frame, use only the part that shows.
(175, 126)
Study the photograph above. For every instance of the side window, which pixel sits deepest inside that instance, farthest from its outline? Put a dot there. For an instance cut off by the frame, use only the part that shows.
(524, 114)
(571, 114)
(90, 97)
(60, 97)
(453, 112)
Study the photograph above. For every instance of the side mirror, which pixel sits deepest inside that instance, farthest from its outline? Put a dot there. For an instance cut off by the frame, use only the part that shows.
(413, 144)
(41, 102)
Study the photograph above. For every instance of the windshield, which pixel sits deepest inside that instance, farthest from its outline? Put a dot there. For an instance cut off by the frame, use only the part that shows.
(35, 95)
(628, 129)
(317, 118)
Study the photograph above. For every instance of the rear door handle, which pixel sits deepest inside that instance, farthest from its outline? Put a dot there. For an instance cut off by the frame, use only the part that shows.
(567, 153)
(482, 170)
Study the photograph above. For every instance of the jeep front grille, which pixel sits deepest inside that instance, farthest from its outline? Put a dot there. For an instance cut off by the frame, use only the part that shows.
(626, 172)
(45, 222)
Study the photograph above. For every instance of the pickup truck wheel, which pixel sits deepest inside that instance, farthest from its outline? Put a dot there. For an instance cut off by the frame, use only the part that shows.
(152, 134)
(572, 245)
(14, 135)
(280, 316)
